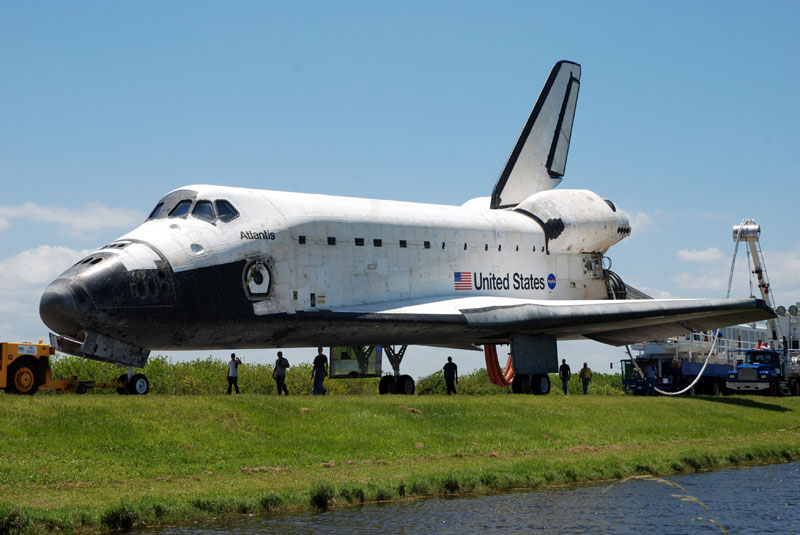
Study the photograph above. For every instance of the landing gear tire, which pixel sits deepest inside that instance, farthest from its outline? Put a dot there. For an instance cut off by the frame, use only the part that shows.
(405, 385)
(138, 385)
(521, 384)
(123, 379)
(541, 384)
(22, 379)
(386, 385)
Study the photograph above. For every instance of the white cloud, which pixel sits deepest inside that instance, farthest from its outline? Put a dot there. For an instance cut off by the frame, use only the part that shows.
(711, 278)
(713, 282)
(782, 269)
(703, 256)
(640, 221)
(82, 221)
(655, 293)
(23, 278)
(36, 267)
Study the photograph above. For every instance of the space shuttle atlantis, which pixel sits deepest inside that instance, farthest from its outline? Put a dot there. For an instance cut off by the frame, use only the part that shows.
(218, 267)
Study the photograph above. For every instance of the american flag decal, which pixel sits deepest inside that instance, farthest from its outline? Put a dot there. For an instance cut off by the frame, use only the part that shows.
(462, 280)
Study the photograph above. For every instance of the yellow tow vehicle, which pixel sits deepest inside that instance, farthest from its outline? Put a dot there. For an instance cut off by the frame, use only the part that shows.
(25, 368)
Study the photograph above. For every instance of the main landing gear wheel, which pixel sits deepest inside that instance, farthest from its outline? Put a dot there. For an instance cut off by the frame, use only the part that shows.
(537, 384)
(138, 385)
(386, 385)
(22, 379)
(405, 385)
(521, 384)
(541, 384)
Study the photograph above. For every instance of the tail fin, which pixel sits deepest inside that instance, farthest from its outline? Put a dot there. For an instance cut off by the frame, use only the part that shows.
(539, 158)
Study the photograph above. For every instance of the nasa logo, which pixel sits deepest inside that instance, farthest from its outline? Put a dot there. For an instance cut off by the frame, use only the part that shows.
(551, 281)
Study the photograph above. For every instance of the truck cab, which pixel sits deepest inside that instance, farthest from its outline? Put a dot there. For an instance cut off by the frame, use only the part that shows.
(759, 371)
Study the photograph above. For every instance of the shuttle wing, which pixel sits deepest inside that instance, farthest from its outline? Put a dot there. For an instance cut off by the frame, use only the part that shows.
(608, 321)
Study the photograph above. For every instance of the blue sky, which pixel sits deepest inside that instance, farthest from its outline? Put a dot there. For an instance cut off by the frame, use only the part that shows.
(687, 119)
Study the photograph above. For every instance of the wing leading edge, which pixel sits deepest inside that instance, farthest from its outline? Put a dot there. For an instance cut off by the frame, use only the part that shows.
(611, 322)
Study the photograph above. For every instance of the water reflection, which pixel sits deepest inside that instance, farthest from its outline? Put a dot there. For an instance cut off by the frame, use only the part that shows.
(753, 500)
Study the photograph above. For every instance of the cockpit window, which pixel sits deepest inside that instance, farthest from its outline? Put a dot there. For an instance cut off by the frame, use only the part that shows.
(181, 209)
(156, 211)
(226, 211)
(203, 210)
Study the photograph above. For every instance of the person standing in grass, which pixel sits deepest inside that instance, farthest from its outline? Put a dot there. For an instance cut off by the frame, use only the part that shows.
(586, 377)
(450, 375)
(650, 376)
(281, 365)
(233, 373)
(318, 373)
(564, 373)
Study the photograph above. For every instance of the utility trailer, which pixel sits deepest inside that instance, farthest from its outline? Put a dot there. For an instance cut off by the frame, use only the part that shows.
(25, 368)
(677, 362)
(673, 375)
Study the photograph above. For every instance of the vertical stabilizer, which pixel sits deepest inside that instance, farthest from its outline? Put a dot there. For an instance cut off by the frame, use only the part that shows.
(539, 158)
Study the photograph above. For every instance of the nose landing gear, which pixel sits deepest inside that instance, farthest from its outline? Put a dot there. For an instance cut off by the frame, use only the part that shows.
(136, 385)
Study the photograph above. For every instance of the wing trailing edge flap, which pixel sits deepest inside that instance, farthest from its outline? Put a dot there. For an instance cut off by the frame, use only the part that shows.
(539, 158)
(625, 322)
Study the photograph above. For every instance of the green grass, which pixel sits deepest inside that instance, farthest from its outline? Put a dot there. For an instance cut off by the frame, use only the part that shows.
(92, 463)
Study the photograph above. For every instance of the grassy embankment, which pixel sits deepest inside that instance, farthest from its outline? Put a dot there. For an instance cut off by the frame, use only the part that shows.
(83, 463)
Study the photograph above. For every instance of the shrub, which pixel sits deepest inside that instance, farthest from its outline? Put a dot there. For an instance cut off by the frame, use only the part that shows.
(14, 521)
(321, 496)
(122, 516)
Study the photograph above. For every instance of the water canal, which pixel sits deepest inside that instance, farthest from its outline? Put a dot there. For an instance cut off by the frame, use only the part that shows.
(757, 500)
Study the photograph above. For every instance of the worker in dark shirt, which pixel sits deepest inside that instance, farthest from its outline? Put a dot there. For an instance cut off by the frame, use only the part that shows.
(564, 373)
(318, 373)
(279, 374)
(450, 375)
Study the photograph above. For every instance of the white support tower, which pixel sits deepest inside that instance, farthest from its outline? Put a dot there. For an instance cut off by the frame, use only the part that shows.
(749, 231)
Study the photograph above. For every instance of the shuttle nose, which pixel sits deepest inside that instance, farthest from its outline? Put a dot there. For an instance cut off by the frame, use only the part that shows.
(59, 310)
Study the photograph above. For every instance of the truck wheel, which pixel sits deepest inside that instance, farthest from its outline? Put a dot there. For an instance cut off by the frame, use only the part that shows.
(713, 388)
(774, 389)
(124, 380)
(22, 379)
(80, 389)
(138, 385)
(794, 387)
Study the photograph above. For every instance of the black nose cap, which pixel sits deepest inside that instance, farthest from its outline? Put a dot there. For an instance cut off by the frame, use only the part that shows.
(59, 310)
